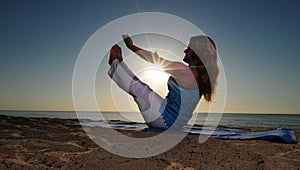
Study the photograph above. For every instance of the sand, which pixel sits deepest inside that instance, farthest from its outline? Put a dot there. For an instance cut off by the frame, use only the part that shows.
(41, 143)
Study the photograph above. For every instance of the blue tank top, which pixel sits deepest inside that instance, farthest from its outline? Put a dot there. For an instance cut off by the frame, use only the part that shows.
(179, 104)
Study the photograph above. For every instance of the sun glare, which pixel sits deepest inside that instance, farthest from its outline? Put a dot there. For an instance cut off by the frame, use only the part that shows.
(155, 76)
(154, 73)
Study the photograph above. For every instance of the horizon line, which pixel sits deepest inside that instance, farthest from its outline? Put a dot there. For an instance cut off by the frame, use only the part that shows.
(10, 110)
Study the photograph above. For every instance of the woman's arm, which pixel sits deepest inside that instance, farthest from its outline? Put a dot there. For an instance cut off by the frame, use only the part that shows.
(171, 67)
(144, 54)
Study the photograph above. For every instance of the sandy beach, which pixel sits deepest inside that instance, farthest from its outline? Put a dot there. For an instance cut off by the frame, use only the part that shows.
(41, 143)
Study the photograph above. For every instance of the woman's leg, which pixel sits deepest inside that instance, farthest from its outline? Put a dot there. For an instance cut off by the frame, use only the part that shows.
(148, 101)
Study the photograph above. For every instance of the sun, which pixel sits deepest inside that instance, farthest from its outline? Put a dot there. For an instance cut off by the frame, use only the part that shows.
(155, 73)
(155, 76)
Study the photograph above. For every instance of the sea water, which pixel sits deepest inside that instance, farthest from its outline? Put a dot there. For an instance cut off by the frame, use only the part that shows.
(242, 120)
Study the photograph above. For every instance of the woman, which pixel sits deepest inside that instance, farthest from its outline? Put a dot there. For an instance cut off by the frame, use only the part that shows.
(186, 85)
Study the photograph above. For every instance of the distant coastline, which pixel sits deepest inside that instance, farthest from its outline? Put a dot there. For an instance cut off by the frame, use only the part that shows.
(235, 120)
(261, 113)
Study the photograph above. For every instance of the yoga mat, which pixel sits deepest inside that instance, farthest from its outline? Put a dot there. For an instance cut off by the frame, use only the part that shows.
(278, 135)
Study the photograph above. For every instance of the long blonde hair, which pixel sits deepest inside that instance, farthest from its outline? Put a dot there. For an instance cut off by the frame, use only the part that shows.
(205, 53)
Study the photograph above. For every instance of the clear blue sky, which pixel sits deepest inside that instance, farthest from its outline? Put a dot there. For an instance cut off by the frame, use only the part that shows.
(258, 43)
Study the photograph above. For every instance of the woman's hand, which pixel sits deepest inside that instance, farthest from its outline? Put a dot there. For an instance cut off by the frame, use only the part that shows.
(128, 41)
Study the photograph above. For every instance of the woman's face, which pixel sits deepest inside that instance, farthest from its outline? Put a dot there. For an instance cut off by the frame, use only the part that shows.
(188, 55)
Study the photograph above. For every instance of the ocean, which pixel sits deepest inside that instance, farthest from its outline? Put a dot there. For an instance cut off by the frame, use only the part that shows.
(235, 120)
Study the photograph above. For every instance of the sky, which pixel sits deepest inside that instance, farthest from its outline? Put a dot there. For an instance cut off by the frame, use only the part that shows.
(257, 42)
